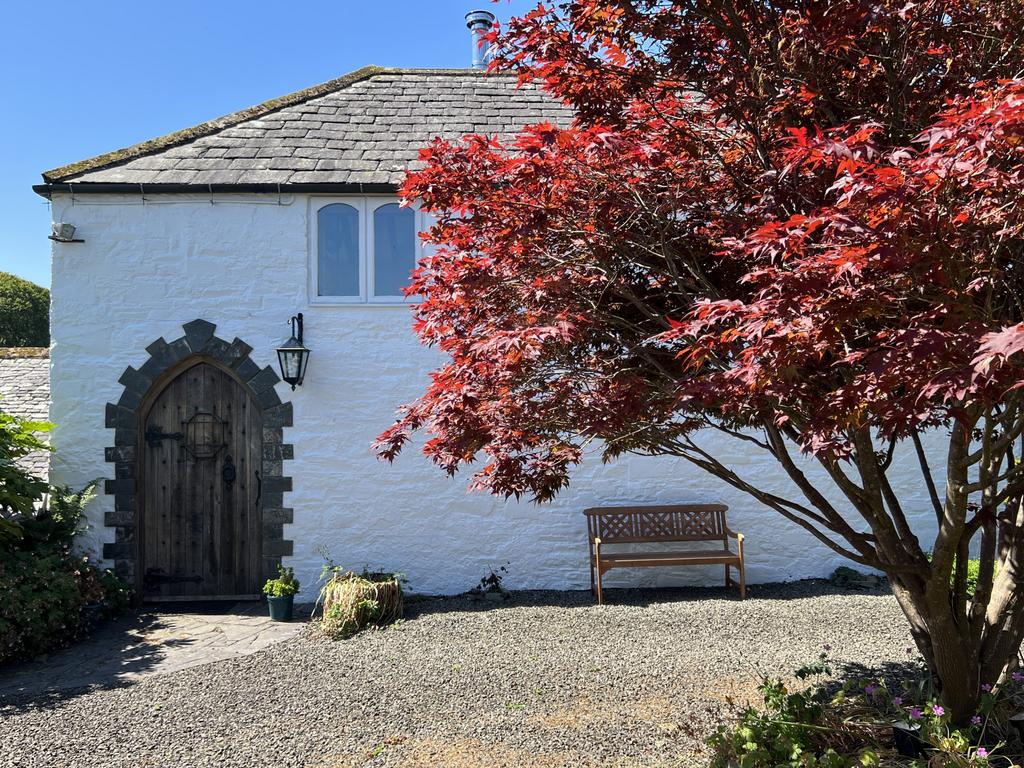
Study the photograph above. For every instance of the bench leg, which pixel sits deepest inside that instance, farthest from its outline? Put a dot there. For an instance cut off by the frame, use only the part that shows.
(593, 584)
(743, 580)
(600, 592)
(728, 581)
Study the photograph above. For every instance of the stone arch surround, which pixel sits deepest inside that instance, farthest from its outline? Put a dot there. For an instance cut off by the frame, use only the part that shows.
(124, 417)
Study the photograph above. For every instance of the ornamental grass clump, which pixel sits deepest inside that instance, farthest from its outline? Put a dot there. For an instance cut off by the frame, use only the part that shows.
(352, 602)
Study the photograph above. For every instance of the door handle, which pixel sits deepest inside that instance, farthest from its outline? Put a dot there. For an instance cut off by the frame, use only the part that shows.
(228, 473)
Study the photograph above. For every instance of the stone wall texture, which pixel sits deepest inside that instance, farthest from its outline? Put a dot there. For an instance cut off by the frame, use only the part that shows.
(148, 266)
(25, 392)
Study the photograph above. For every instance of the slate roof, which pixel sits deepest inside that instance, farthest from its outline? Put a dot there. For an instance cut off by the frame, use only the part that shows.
(25, 393)
(362, 129)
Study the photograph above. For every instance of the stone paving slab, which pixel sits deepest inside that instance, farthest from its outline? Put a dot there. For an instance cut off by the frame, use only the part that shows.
(151, 642)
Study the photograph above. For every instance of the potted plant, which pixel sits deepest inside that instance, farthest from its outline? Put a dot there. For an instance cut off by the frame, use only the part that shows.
(280, 594)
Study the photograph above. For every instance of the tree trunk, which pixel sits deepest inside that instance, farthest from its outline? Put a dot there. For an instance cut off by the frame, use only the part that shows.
(959, 666)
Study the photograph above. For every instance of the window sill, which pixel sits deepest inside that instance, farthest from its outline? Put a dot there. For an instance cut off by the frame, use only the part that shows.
(355, 303)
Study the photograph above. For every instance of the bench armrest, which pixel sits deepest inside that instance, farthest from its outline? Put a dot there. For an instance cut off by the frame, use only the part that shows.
(733, 534)
(597, 541)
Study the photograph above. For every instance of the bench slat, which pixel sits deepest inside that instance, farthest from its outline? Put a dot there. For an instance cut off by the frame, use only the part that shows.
(642, 559)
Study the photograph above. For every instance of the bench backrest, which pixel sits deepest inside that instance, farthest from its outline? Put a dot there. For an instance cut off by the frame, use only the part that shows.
(675, 522)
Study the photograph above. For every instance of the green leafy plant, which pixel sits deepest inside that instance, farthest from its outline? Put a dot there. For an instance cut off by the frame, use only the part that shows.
(284, 585)
(41, 606)
(491, 583)
(117, 594)
(854, 724)
(819, 666)
(24, 313)
(44, 584)
(20, 492)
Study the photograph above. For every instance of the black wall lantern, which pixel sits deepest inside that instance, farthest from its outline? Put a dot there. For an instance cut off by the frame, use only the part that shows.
(292, 356)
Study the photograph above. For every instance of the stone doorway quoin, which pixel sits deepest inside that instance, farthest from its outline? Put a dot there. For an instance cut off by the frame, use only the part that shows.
(126, 417)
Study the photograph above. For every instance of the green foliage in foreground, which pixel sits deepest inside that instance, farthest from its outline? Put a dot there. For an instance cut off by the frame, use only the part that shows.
(45, 585)
(24, 313)
(19, 491)
(851, 726)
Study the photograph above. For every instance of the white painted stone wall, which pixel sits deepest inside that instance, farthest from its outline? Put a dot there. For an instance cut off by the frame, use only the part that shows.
(146, 268)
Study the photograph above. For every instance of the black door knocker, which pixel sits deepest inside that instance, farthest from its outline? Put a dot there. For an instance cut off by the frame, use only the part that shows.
(228, 474)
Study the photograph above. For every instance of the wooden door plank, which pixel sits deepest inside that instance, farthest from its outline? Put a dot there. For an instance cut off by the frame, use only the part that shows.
(224, 494)
(254, 444)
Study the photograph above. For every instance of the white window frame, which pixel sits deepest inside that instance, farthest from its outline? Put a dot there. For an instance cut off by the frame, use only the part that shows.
(366, 206)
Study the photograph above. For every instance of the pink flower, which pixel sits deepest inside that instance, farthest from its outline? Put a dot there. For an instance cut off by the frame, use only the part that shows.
(897, 701)
(937, 710)
(915, 713)
(986, 687)
(982, 752)
(870, 689)
(1017, 676)
(976, 720)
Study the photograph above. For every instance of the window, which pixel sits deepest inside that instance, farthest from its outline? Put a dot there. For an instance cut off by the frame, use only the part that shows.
(363, 250)
(337, 251)
(394, 248)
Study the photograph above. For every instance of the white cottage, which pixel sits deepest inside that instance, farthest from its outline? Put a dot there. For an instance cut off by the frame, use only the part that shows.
(190, 254)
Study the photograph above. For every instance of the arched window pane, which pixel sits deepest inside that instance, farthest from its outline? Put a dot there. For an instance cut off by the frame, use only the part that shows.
(394, 248)
(337, 250)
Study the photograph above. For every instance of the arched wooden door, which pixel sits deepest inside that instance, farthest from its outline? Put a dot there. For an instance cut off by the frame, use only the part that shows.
(201, 521)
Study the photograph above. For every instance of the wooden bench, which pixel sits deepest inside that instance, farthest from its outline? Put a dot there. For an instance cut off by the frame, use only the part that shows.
(660, 525)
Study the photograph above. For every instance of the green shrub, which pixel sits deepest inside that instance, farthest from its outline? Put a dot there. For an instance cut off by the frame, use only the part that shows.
(117, 594)
(792, 730)
(24, 313)
(45, 585)
(20, 492)
(42, 604)
(849, 724)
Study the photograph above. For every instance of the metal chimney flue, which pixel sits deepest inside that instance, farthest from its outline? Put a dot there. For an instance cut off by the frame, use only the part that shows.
(479, 23)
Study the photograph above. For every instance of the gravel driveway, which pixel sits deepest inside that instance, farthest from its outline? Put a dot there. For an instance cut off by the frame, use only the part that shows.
(547, 680)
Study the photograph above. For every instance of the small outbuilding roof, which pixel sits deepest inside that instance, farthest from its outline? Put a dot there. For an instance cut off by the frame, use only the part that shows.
(362, 130)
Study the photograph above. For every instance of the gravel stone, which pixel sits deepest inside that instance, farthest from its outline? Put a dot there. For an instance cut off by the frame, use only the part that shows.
(546, 679)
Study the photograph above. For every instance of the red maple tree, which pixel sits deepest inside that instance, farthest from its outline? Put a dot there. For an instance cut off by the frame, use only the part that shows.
(796, 224)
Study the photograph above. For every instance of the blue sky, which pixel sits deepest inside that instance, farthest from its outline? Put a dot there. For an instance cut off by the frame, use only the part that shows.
(82, 78)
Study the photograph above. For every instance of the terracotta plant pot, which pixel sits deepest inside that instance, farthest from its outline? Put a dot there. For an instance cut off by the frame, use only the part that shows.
(281, 607)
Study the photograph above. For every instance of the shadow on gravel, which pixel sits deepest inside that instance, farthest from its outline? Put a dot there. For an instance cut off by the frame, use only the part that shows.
(894, 673)
(418, 605)
(117, 648)
(122, 650)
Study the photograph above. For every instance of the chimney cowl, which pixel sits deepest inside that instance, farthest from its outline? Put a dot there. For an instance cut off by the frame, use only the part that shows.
(479, 23)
